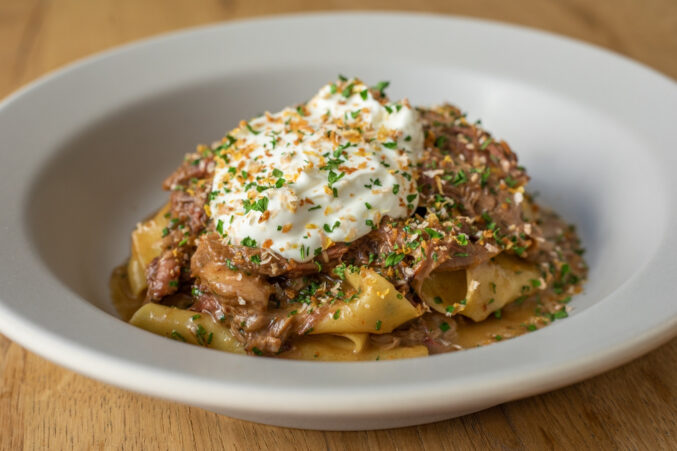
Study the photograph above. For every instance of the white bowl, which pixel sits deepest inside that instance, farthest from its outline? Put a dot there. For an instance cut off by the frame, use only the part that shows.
(84, 151)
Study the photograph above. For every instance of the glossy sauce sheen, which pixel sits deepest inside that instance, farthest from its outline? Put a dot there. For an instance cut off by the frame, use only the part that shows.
(513, 321)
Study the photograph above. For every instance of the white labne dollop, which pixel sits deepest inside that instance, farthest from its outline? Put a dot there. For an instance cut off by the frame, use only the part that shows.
(297, 181)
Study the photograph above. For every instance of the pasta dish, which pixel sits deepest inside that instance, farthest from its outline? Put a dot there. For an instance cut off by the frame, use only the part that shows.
(350, 227)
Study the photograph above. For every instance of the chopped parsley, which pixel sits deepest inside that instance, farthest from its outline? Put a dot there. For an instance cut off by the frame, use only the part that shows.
(519, 250)
(348, 90)
(251, 130)
(559, 314)
(381, 86)
(333, 177)
(260, 205)
(177, 336)
(248, 242)
(486, 143)
(393, 259)
(485, 176)
(433, 233)
(460, 178)
(330, 229)
(565, 269)
(340, 270)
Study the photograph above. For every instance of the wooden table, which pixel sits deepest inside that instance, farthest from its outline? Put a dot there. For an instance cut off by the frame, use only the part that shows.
(44, 406)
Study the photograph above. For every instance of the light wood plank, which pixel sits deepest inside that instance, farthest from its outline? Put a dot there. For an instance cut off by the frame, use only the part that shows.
(44, 406)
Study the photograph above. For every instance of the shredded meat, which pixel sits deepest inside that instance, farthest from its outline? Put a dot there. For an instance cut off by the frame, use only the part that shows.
(195, 167)
(170, 270)
(472, 206)
(259, 329)
(162, 275)
(233, 286)
(212, 248)
(424, 330)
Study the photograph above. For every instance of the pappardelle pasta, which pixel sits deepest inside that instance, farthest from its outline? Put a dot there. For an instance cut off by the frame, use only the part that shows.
(350, 227)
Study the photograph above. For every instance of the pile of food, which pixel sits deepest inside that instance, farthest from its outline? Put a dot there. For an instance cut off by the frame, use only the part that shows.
(351, 227)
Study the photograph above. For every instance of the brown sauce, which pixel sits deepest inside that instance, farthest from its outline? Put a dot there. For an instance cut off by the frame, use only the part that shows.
(123, 300)
(514, 321)
(516, 318)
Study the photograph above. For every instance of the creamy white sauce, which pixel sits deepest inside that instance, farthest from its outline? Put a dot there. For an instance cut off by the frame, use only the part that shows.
(299, 180)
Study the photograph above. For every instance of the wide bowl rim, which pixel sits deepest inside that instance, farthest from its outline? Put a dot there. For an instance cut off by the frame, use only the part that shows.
(248, 395)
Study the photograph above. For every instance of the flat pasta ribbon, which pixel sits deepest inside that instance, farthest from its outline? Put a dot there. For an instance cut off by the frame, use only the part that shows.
(378, 308)
(480, 290)
(187, 326)
(146, 245)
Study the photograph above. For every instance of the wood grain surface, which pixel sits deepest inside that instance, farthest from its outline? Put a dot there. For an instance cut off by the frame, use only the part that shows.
(43, 406)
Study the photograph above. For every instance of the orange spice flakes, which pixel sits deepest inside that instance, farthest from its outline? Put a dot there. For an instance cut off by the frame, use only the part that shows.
(350, 170)
(306, 200)
(353, 136)
(361, 152)
(334, 138)
(430, 139)
(385, 134)
(313, 166)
